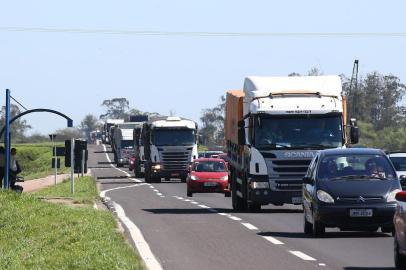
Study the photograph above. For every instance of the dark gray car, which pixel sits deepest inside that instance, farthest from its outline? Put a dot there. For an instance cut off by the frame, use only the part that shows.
(352, 189)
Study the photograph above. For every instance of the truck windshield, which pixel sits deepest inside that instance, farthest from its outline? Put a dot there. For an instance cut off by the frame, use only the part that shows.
(127, 144)
(303, 132)
(162, 137)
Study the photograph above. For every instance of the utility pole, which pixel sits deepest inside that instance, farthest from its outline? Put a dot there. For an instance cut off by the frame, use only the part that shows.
(52, 137)
(6, 184)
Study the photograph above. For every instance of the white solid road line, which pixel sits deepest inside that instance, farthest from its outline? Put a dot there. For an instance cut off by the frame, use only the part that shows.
(302, 256)
(139, 240)
(273, 240)
(103, 193)
(249, 226)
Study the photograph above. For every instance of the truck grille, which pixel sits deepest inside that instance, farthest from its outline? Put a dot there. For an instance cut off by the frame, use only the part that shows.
(175, 161)
(288, 174)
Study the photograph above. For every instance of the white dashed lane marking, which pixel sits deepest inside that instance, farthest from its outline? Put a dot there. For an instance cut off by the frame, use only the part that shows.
(249, 226)
(302, 256)
(273, 240)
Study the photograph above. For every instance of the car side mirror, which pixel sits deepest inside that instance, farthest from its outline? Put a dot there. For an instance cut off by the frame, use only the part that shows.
(308, 180)
(401, 196)
(241, 132)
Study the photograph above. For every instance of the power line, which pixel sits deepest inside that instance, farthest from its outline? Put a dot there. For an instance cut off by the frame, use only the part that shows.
(201, 33)
(19, 103)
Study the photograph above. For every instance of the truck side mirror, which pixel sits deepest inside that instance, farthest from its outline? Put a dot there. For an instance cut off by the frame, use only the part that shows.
(354, 131)
(241, 132)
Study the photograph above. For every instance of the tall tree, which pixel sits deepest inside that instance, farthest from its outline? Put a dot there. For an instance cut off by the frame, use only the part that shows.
(212, 131)
(116, 108)
(88, 125)
(18, 127)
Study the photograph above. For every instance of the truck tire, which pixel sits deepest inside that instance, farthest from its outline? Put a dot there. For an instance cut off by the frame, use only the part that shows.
(183, 179)
(253, 207)
(238, 203)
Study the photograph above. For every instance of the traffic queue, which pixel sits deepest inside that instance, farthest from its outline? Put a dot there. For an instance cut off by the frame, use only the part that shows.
(288, 140)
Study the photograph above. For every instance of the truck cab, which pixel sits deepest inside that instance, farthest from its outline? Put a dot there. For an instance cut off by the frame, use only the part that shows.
(123, 142)
(274, 127)
(170, 145)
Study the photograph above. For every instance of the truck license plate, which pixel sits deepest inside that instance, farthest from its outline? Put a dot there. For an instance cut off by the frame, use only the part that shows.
(361, 212)
(174, 174)
(209, 184)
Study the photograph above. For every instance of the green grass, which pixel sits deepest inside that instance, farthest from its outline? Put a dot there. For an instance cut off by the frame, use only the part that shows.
(85, 190)
(36, 234)
(35, 160)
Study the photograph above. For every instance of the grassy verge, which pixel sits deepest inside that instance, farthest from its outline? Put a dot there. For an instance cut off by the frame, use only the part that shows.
(85, 190)
(35, 160)
(36, 234)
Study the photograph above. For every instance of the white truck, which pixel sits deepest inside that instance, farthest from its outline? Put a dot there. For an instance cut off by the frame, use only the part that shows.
(170, 145)
(123, 142)
(106, 138)
(274, 127)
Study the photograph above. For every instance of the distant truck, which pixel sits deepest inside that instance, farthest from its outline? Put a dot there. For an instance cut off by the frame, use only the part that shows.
(170, 145)
(139, 159)
(123, 142)
(274, 127)
(106, 138)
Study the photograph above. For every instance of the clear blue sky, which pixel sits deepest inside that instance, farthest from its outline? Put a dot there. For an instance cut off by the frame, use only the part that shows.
(75, 72)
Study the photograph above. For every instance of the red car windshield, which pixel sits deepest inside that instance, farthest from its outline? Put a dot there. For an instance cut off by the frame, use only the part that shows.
(209, 166)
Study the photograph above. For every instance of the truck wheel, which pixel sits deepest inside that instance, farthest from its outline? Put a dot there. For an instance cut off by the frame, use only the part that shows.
(147, 177)
(183, 179)
(253, 207)
(238, 203)
(227, 194)
(190, 194)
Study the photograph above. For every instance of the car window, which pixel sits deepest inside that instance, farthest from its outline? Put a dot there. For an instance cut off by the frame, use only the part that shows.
(210, 166)
(355, 166)
(399, 163)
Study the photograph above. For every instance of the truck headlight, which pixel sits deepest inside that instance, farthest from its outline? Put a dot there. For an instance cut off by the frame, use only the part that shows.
(392, 195)
(157, 167)
(324, 196)
(259, 185)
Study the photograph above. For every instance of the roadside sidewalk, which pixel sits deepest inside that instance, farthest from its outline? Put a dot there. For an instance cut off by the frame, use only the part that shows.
(37, 184)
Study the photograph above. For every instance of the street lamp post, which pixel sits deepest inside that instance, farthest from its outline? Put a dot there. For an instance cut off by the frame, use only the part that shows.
(52, 137)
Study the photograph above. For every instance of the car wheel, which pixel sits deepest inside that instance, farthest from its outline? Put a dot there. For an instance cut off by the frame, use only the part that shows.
(387, 230)
(189, 194)
(318, 229)
(400, 259)
(227, 194)
(307, 227)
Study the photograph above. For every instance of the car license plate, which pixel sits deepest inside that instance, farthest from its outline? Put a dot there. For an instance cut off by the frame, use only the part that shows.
(297, 200)
(209, 184)
(361, 212)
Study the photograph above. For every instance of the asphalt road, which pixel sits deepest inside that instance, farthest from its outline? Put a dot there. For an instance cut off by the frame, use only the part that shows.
(204, 232)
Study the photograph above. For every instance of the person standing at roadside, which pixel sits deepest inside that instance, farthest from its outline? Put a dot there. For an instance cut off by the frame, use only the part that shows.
(2, 162)
(14, 168)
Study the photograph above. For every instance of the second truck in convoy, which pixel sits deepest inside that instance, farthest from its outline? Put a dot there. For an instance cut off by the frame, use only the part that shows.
(169, 146)
(273, 129)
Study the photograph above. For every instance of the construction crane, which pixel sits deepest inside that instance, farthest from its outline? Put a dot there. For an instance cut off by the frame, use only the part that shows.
(353, 92)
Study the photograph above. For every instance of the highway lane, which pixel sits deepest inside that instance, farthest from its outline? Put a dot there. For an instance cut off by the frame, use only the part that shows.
(203, 232)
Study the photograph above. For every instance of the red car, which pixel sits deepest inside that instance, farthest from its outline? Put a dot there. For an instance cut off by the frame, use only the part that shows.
(400, 227)
(208, 175)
